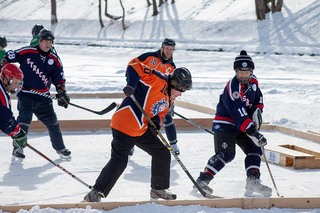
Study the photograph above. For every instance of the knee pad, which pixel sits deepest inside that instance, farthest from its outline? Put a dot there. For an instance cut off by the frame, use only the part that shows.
(218, 161)
(227, 156)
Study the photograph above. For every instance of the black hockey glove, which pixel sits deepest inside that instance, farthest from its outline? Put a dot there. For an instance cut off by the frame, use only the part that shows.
(171, 111)
(256, 137)
(20, 139)
(62, 96)
(257, 118)
(154, 128)
(128, 90)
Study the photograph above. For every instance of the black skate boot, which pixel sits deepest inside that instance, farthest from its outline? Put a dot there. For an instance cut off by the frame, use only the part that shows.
(93, 196)
(203, 185)
(165, 194)
(254, 188)
(17, 154)
(65, 154)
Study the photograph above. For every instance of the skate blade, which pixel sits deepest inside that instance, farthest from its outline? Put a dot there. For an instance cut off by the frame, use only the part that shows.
(256, 195)
(196, 193)
(16, 160)
(65, 158)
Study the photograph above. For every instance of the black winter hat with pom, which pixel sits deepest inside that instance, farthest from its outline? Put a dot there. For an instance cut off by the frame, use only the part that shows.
(243, 61)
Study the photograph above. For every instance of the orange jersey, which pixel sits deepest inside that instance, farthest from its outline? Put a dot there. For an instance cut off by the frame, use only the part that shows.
(151, 91)
(155, 61)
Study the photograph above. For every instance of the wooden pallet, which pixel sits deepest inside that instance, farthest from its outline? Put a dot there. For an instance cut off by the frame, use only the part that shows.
(293, 156)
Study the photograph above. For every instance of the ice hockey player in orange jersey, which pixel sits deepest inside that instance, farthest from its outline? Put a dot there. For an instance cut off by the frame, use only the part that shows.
(155, 92)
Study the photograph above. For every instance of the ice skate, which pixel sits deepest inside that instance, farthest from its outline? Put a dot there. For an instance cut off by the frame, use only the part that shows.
(203, 185)
(65, 154)
(254, 188)
(93, 196)
(17, 155)
(175, 149)
(165, 194)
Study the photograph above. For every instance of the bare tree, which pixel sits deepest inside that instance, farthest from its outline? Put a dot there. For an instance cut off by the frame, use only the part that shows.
(124, 26)
(108, 14)
(100, 17)
(262, 7)
(154, 3)
(155, 8)
(54, 19)
(276, 6)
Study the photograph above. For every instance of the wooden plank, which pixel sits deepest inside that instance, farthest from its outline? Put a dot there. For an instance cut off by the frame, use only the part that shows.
(312, 132)
(74, 125)
(289, 152)
(307, 163)
(104, 124)
(295, 203)
(243, 203)
(195, 107)
(300, 149)
(293, 156)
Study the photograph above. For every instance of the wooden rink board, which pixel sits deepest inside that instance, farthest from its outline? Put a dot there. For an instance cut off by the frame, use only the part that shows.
(293, 156)
(243, 203)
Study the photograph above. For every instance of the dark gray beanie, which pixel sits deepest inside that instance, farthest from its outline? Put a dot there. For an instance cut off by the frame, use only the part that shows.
(243, 61)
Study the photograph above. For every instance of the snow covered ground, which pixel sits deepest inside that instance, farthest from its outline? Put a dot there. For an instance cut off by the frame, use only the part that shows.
(290, 83)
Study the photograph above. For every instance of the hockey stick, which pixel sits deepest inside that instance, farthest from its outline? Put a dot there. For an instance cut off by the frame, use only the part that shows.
(269, 170)
(102, 112)
(194, 123)
(164, 141)
(60, 167)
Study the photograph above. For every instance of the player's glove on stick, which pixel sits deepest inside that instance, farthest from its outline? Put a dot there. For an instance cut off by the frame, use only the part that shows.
(256, 137)
(156, 126)
(62, 96)
(257, 118)
(20, 139)
(128, 90)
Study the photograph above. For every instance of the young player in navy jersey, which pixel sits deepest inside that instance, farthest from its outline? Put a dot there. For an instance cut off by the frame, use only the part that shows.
(237, 122)
(11, 79)
(41, 67)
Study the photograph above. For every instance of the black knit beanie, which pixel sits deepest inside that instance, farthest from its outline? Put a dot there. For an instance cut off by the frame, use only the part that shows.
(243, 61)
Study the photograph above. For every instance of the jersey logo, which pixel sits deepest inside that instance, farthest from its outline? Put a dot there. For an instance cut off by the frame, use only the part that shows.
(236, 95)
(153, 62)
(159, 107)
(50, 61)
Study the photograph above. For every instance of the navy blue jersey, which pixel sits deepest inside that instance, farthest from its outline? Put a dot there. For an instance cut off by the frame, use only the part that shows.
(237, 103)
(8, 123)
(40, 69)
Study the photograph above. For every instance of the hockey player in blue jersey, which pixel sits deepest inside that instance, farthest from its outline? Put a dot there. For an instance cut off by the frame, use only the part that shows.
(41, 67)
(11, 79)
(237, 122)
